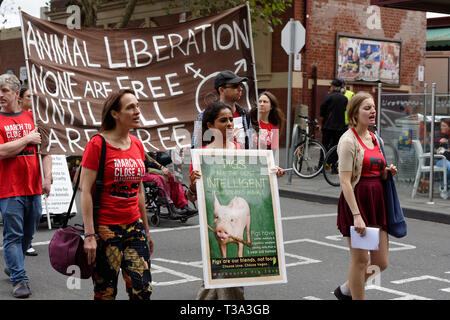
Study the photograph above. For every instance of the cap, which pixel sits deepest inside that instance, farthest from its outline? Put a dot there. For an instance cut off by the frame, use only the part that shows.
(227, 76)
(336, 83)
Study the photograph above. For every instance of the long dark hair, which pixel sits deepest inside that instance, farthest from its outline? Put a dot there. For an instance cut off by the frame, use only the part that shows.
(112, 103)
(276, 116)
(210, 115)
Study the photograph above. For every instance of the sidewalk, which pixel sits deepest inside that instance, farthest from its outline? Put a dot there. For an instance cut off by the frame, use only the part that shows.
(318, 190)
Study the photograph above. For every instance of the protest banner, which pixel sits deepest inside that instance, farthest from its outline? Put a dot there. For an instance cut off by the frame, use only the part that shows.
(171, 68)
(240, 221)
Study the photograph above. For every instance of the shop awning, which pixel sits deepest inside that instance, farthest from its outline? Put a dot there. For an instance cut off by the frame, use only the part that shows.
(441, 6)
(438, 37)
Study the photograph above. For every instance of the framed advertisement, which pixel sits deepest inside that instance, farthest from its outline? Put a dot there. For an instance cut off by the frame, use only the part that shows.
(368, 60)
(240, 222)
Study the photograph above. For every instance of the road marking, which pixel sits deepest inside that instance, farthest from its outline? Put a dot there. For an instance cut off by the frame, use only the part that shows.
(173, 229)
(184, 277)
(301, 260)
(311, 298)
(335, 238)
(310, 216)
(402, 246)
(403, 295)
(425, 277)
(317, 242)
(196, 264)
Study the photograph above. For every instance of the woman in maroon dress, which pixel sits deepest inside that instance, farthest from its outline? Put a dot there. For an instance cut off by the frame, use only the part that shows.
(362, 166)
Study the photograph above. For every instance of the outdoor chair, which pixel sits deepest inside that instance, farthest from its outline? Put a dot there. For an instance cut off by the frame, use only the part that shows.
(426, 168)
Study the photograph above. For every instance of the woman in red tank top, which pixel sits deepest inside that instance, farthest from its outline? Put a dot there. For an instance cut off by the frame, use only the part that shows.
(362, 204)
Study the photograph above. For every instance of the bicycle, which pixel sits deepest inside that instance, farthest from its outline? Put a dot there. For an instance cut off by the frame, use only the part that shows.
(331, 167)
(309, 154)
(331, 162)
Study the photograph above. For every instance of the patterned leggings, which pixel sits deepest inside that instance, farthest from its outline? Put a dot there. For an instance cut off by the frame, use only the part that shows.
(122, 247)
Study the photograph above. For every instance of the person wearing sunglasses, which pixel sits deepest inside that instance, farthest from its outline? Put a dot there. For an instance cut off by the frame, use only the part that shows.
(229, 86)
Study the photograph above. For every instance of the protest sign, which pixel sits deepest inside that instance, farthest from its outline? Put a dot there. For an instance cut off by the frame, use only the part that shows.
(62, 189)
(240, 222)
(171, 68)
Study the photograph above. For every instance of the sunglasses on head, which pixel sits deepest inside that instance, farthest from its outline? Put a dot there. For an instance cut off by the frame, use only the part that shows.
(233, 86)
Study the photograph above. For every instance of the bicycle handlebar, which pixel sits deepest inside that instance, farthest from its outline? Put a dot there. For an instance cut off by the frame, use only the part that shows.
(308, 120)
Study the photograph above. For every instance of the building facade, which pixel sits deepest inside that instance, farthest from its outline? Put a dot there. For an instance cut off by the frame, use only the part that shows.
(323, 21)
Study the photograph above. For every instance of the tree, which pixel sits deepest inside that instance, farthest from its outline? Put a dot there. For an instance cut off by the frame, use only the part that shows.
(267, 10)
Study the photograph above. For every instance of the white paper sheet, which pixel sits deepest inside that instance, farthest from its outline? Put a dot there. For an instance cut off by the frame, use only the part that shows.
(370, 241)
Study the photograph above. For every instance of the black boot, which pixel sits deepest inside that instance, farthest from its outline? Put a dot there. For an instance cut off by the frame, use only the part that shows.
(189, 211)
(175, 213)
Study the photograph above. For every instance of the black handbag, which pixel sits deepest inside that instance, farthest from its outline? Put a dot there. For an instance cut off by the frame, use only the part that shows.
(66, 248)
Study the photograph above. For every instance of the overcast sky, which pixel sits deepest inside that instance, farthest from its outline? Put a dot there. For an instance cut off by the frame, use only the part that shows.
(11, 13)
(9, 8)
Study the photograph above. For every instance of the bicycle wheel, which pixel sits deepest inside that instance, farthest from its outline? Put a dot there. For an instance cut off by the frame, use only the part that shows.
(331, 167)
(308, 159)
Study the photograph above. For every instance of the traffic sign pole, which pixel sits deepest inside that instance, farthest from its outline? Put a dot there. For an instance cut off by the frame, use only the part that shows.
(289, 98)
(292, 41)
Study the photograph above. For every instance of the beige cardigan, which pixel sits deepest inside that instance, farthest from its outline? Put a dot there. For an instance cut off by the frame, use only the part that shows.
(351, 155)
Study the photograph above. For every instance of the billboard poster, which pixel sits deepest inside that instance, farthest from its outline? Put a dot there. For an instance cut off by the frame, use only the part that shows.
(368, 60)
(240, 222)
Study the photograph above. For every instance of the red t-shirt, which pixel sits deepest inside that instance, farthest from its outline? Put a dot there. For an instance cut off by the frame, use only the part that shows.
(124, 170)
(268, 135)
(21, 175)
(373, 161)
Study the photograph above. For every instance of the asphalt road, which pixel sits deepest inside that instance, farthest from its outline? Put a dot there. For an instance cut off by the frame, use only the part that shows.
(317, 260)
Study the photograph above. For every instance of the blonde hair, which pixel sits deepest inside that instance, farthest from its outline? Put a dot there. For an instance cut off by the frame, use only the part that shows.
(353, 107)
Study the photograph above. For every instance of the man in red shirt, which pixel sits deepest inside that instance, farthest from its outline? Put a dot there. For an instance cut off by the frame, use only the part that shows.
(22, 186)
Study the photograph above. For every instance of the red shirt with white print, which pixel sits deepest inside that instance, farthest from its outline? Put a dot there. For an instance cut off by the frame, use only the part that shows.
(268, 135)
(20, 174)
(124, 170)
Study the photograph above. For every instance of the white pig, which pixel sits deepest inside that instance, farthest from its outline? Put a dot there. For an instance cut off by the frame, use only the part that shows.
(229, 223)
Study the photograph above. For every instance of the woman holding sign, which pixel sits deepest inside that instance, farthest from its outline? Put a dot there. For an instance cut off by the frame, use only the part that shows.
(119, 238)
(362, 201)
(217, 127)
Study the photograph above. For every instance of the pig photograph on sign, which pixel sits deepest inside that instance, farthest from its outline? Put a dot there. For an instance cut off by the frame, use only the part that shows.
(240, 220)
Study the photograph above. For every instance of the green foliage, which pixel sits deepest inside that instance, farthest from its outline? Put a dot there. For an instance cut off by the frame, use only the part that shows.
(266, 10)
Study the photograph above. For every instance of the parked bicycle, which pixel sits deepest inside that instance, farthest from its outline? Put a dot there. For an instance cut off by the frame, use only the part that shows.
(309, 154)
(331, 163)
(331, 167)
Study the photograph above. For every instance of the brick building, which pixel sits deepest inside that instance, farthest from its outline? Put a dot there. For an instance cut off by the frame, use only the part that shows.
(322, 19)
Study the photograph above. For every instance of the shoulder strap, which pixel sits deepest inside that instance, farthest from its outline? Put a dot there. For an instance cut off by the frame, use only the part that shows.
(99, 180)
(98, 185)
(380, 144)
(75, 188)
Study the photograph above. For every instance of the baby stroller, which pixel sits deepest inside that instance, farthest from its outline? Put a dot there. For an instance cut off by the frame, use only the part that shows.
(157, 198)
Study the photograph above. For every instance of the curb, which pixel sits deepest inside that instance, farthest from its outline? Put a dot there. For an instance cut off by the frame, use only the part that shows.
(408, 212)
